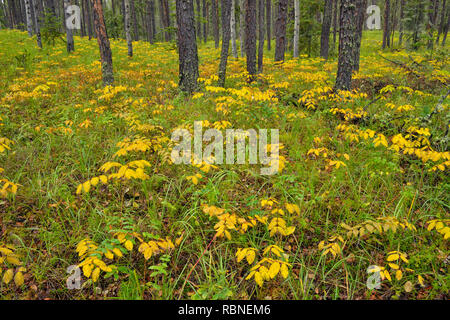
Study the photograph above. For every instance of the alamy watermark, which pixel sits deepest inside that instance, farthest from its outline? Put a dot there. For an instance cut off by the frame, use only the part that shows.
(257, 147)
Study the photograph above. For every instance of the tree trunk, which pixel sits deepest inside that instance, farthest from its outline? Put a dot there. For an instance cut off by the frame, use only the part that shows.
(103, 43)
(297, 28)
(250, 37)
(187, 45)
(360, 15)
(446, 30)
(280, 30)
(226, 34)
(233, 29)
(335, 22)
(29, 18)
(69, 31)
(400, 23)
(442, 21)
(242, 27)
(37, 21)
(151, 21)
(269, 23)
(198, 19)
(133, 16)
(205, 18)
(261, 35)
(215, 22)
(386, 31)
(326, 25)
(346, 42)
(128, 28)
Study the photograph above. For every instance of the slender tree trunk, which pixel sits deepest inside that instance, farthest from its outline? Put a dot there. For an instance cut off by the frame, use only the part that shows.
(360, 18)
(297, 27)
(326, 25)
(242, 27)
(205, 18)
(134, 17)
(442, 21)
(103, 43)
(269, 23)
(446, 30)
(198, 19)
(250, 37)
(233, 29)
(37, 21)
(335, 22)
(215, 22)
(151, 21)
(69, 31)
(280, 30)
(400, 23)
(187, 45)
(29, 18)
(128, 27)
(347, 31)
(261, 35)
(386, 30)
(226, 34)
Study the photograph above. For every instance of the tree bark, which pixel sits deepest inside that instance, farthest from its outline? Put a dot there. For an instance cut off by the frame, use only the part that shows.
(442, 21)
(205, 18)
(250, 37)
(386, 30)
(269, 23)
(360, 15)
(326, 25)
(335, 22)
(29, 18)
(400, 23)
(128, 28)
(151, 21)
(198, 19)
(346, 42)
(103, 43)
(280, 30)
(215, 22)
(187, 45)
(261, 35)
(37, 21)
(135, 23)
(242, 27)
(69, 31)
(297, 27)
(446, 29)
(233, 29)
(226, 34)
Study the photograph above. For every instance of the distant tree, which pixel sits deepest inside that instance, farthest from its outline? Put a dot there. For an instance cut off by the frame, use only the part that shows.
(326, 25)
(226, 35)
(269, 23)
(242, 26)
(103, 43)
(280, 30)
(297, 27)
(233, 29)
(386, 30)
(133, 14)
(400, 23)
(261, 34)
(151, 26)
(205, 19)
(128, 28)
(187, 46)
(335, 22)
(29, 17)
(250, 37)
(69, 31)
(360, 15)
(347, 29)
(442, 21)
(215, 22)
(37, 21)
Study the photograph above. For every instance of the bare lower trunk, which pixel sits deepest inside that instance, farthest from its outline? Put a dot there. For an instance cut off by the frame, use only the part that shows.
(261, 35)
(205, 17)
(346, 42)
(269, 23)
(250, 37)
(280, 30)
(226, 34)
(400, 23)
(215, 22)
(233, 29)
(297, 27)
(103, 43)
(133, 16)
(326, 25)
(360, 15)
(37, 21)
(187, 45)
(29, 18)
(442, 21)
(242, 27)
(128, 28)
(386, 30)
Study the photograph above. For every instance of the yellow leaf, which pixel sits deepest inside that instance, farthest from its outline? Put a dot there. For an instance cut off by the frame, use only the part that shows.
(87, 270)
(284, 271)
(129, 245)
(18, 279)
(393, 257)
(398, 275)
(8, 275)
(95, 274)
(13, 260)
(259, 279)
(274, 269)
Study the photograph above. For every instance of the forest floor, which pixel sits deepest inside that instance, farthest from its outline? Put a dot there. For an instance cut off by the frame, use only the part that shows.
(87, 177)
